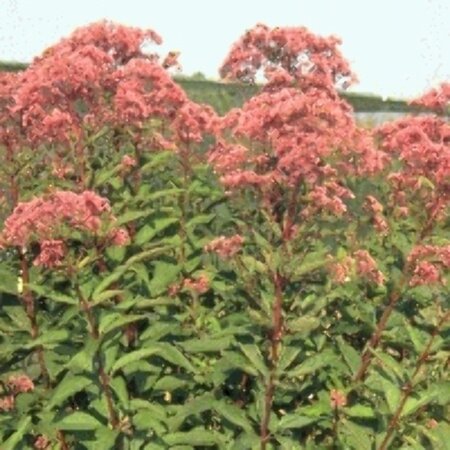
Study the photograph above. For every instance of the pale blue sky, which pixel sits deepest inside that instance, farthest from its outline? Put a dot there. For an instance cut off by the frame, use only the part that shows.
(398, 48)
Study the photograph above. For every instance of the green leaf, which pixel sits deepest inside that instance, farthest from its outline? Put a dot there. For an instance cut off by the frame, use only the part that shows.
(359, 411)
(49, 338)
(130, 216)
(67, 387)
(195, 437)
(350, 355)
(254, 356)
(173, 355)
(158, 159)
(149, 231)
(438, 393)
(83, 360)
(296, 421)
(416, 337)
(207, 345)
(392, 394)
(163, 275)
(233, 414)
(200, 219)
(9, 283)
(145, 420)
(78, 421)
(165, 351)
(104, 296)
(303, 325)
(355, 435)
(116, 253)
(52, 295)
(198, 405)
(136, 355)
(390, 363)
(287, 357)
(312, 363)
(18, 435)
(114, 321)
(169, 383)
(119, 387)
(122, 269)
(106, 436)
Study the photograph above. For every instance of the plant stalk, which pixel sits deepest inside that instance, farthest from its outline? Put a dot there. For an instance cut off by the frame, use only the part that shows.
(275, 340)
(408, 388)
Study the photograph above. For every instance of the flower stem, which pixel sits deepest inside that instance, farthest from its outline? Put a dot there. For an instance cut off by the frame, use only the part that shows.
(103, 377)
(275, 340)
(408, 388)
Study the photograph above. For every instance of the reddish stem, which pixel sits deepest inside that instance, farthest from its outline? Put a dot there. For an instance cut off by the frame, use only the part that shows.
(394, 298)
(275, 339)
(103, 377)
(408, 388)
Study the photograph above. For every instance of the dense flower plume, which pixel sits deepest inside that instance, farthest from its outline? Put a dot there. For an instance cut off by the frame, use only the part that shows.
(288, 56)
(422, 145)
(100, 75)
(144, 89)
(8, 128)
(46, 220)
(296, 138)
(66, 85)
(427, 264)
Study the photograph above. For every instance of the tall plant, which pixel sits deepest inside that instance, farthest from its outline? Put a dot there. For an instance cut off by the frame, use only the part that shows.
(273, 278)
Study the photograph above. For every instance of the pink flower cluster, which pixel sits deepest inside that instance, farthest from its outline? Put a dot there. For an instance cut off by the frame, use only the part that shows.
(143, 89)
(16, 384)
(427, 263)
(367, 267)
(375, 208)
(288, 55)
(290, 132)
(360, 263)
(328, 198)
(422, 144)
(199, 285)
(225, 247)
(47, 219)
(99, 75)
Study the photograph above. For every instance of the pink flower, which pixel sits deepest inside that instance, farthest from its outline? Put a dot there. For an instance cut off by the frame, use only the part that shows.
(20, 383)
(287, 54)
(51, 255)
(337, 399)
(7, 403)
(425, 273)
(341, 270)
(120, 237)
(367, 267)
(171, 60)
(41, 443)
(51, 218)
(128, 162)
(225, 247)
(199, 285)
